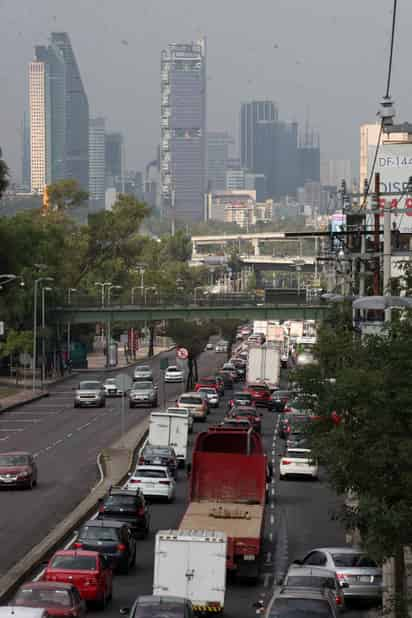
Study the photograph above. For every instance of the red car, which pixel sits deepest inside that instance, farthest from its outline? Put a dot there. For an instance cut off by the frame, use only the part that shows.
(249, 413)
(211, 383)
(57, 599)
(89, 571)
(17, 469)
(261, 394)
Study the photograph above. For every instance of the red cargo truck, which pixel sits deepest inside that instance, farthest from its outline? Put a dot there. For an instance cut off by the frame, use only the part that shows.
(227, 493)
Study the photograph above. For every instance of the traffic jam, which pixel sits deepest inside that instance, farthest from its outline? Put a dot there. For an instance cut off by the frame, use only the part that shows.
(204, 500)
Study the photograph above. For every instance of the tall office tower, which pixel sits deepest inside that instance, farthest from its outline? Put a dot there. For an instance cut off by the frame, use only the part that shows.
(217, 159)
(97, 158)
(40, 150)
(250, 114)
(183, 130)
(76, 113)
(276, 157)
(25, 152)
(309, 157)
(114, 159)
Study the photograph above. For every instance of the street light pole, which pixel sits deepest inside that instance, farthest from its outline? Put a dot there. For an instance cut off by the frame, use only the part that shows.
(69, 291)
(36, 283)
(43, 326)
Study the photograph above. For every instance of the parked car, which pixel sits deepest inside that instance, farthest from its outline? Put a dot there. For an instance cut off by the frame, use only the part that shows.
(153, 482)
(90, 393)
(196, 403)
(143, 393)
(153, 455)
(111, 388)
(261, 394)
(89, 571)
(174, 374)
(57, 599)
(159, 607)
(359, 575)
(113, 539)
(287, 602)
(299, 576)
(143, 372)
(210, 393)
(298, 462)
(18, 469)
(221, 346)
(126, 506)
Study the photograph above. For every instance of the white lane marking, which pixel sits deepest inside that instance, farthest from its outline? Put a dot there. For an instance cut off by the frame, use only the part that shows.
(10, 429)
(272, 505)
(21, 420)
(272, 491)
(69, 435)
(57, 442)
(272, 520)
(4, 439)
(271, 537)
(268, 557)
(266, 579)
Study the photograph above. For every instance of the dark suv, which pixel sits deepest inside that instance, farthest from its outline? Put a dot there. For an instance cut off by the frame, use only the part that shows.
(153, 455)
(159, 607)
(113, 539)
(126, 506)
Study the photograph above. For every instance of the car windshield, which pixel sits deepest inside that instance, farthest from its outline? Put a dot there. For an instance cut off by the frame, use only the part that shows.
(98, 533)
(111, 381)
(157, 450)
(173, 369)
(8, 461)
(38, 597)
(120, 501)
(143, 368)
(300, 608)
(191, 400)
(74, 563)
(153, 474)
(142, 386)
(89, 386)
(298, 454)
(241, 396)
(311, 581)
(160, 610)
(259, 387)
(207, 391)
(245, 413)
(352, 560)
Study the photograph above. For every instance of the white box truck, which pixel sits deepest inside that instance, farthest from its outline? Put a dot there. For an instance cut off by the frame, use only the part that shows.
(191, 564)
(170, 429)
(264, 364)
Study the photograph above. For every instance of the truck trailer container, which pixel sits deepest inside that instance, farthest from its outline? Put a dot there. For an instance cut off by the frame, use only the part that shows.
(228, 492)
(170, 429)
(264, 364)
(191, 564)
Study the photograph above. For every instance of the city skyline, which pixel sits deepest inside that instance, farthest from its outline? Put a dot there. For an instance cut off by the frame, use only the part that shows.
(288, 69)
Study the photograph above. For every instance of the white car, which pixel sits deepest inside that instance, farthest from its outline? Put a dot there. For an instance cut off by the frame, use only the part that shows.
(111, 389)
(211, 396)
(153, 481)
(298, 461)
(143, 372)
(174, 374)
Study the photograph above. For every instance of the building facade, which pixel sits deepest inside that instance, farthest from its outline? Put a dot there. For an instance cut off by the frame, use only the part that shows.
(183, 130)
(97, 159)
(250, 115)
(217, 159)
(333, 171)
(76, 114)
(114, 159)
(232, 207)
(40, 150)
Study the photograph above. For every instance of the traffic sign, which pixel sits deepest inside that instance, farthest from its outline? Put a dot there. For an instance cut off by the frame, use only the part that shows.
(182, 353)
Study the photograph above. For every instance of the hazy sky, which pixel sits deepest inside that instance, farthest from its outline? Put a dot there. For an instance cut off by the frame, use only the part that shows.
(325, 56)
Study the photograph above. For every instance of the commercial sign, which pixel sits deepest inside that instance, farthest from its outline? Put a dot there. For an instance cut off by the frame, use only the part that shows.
(394, 164)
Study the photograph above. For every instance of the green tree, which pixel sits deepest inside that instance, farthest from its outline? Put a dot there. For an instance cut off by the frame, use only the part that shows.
(193, 336)
(4, 176)
(363, 433)
(66, 194)
(17, 342)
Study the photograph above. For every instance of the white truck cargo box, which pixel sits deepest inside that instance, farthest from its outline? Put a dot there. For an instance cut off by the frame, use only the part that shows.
(264, 364)
(191, 564)
(170, 429)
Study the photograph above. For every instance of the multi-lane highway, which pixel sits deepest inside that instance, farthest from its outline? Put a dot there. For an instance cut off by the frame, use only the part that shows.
(298, 518)
(65, 442)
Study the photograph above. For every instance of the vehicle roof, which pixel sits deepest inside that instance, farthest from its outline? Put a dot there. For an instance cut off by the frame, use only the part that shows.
(300, 450)
(295, 592)
(16, 610)
(192, 394)
(118, 491)
(148, 467)
(341, 550)
(145, 367)
(152, 600)
(48, 585)
(103, 523)
(309, 571)
(76, 552)
(16, 453)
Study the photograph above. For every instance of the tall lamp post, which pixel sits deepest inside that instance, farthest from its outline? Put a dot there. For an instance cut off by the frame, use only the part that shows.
(69, 297)
(36, 284)
(109, 325)
(103, 286)
(43, 326)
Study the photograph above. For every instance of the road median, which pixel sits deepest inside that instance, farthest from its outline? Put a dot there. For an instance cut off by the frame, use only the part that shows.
(114, 464)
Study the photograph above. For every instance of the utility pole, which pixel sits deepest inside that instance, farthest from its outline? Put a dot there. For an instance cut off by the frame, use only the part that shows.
(376, 236)
(387, 251)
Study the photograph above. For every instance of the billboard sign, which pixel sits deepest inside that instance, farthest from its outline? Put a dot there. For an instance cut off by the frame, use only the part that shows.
(394, 164)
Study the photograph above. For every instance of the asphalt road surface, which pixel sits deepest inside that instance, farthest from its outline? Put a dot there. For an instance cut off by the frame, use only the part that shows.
(298, 518)
(65, 442)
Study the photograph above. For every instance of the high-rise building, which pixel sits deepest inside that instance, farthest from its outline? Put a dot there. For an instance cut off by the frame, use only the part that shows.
(309, 158)
(40, 150)
(76, 114)
(114, 159)
(276, 156)
(97, 168)
(183, 130)
(217, 159)
(250, 114)
(333, 171)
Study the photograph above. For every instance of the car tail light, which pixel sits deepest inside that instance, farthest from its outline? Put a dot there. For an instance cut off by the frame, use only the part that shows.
(286, 462)
(140, 511)
(341, 576)
(78, 545)
(287, 409)
(121, 547)
(141, 460)
(338, 599)
(164, 482)
(133, 481)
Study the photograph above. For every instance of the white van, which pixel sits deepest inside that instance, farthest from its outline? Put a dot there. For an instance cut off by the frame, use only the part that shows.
(170, 429)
